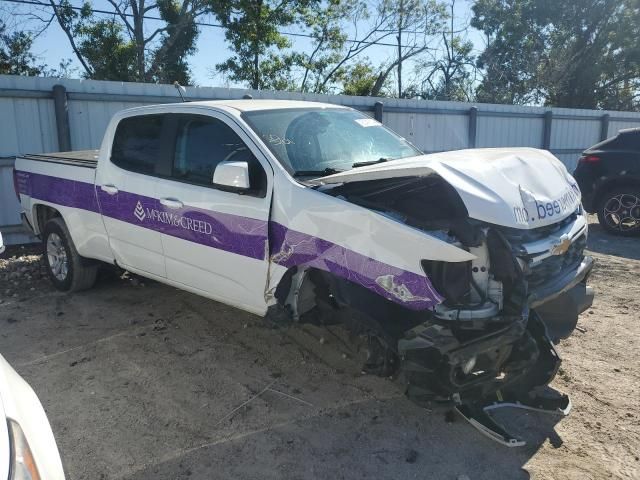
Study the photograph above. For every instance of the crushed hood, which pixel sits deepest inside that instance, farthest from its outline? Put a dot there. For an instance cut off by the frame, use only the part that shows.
(514, 187)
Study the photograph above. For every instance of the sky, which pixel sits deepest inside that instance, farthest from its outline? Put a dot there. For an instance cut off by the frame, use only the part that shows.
(52, 46)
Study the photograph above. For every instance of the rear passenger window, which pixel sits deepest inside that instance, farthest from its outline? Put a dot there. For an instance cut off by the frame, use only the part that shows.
(136, 145)
(202, 143)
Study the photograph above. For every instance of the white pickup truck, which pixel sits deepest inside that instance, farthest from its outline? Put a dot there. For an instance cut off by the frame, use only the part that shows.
(460, 268)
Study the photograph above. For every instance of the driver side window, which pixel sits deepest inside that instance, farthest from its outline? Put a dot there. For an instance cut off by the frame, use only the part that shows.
(202, 143)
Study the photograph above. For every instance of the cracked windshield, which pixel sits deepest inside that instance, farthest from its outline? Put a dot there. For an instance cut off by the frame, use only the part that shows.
(312, 143)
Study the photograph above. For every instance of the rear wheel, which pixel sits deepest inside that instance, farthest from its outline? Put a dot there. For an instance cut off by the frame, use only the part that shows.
(68, 271)
(619, 211)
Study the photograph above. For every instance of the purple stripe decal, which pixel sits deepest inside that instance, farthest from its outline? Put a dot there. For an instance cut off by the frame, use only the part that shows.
(241, 235)
(61, 191)
(290, 248)
(232, 233)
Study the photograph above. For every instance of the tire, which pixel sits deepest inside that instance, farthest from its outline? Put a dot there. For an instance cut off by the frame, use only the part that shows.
(619, 211)
(68, 271)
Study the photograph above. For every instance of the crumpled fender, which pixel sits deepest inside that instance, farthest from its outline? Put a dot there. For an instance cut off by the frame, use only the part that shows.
(311, 229)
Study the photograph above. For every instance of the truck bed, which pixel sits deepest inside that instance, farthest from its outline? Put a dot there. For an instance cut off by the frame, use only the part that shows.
(78, 158)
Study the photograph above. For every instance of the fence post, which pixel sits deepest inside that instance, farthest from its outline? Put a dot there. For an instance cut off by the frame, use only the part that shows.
(546, 136)
(473, 126)
(377, 111)
(604, 126)
(61, 107)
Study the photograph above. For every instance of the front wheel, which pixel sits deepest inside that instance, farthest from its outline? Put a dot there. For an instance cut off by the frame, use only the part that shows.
(619, 211)
(68, 271)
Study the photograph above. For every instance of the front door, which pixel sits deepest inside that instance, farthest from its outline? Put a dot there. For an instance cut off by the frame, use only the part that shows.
(215, 241)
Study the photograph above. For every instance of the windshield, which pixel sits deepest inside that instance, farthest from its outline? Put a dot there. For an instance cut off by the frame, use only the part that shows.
(318, 142)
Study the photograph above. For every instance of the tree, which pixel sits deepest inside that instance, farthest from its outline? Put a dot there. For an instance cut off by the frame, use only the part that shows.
(450, 75)
(324, 21)
(359, 79)
(178, 40)
(252, 27)
(122, 48)
(414, 23)
(376, 29)
(16, 57)
(582, 55)
(107, 36)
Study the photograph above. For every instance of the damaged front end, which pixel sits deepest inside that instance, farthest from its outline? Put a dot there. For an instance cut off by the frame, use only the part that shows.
(489, 342)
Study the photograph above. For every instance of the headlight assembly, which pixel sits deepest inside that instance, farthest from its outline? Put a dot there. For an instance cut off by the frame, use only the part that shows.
(23, 465)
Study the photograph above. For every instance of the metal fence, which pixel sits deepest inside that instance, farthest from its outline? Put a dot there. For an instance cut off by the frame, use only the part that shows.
(39, 115)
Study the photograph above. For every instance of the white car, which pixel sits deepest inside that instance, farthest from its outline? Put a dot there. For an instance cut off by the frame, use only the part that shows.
(28, 449)
(461, 268)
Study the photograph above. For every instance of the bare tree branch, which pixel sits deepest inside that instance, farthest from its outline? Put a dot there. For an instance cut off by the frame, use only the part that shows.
(67, 30)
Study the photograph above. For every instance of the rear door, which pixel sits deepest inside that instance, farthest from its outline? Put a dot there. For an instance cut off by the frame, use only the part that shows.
(126, 185)
(215, 242)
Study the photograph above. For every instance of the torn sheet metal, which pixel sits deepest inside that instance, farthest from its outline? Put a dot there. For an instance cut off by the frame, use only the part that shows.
(292, 248)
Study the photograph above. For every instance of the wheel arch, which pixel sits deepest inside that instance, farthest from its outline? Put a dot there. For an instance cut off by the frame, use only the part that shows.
(41, 214)
(301, 289)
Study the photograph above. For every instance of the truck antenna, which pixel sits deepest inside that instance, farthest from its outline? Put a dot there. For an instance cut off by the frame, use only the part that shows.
(181, 90)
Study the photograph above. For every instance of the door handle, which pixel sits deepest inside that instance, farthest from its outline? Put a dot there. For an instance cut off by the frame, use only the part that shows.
(171, 202)
(110, 189)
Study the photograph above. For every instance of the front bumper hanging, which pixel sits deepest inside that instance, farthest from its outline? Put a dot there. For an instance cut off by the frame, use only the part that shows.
(510, 366)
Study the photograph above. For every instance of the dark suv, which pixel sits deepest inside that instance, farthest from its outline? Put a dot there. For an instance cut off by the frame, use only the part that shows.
(609, 177)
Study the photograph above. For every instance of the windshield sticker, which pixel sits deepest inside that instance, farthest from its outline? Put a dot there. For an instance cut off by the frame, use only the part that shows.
(367, 122)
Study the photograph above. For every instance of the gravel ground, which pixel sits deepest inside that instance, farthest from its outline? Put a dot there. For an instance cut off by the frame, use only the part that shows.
(142, 381)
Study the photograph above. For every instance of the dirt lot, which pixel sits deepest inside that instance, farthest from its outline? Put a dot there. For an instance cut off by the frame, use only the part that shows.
(142, 381)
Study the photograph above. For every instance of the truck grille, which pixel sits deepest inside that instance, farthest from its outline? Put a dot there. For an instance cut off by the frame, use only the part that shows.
(556, 265)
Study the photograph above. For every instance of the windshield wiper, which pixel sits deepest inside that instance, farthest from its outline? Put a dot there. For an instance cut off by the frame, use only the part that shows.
(373, 162)
(317, 173)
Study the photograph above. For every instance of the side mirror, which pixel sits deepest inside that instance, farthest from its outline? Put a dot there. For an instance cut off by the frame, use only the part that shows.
(232, 175)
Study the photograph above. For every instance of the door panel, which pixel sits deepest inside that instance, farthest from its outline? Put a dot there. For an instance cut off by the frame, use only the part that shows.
(133, 237)
(126, 188)
(215, 241)
(218, 253)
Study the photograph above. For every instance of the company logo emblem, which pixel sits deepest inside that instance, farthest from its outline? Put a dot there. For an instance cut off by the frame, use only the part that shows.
(562, 246)
(139, 212)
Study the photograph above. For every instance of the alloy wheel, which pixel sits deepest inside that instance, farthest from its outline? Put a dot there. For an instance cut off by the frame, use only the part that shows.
(57, 256)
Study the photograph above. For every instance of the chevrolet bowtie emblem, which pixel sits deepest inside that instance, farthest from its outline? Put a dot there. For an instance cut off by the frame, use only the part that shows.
(562, 246)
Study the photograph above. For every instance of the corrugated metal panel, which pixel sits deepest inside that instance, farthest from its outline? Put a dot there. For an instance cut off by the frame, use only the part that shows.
(29, 124)
(615, 126)
(510, 131)
(575, 133)
(9, 212)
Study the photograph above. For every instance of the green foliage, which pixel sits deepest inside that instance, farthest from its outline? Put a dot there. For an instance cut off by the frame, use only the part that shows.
(359, 79)
(119, 48)
(176, 44)
(324, 23)
(583, 53)
(252, 27)
(104, 47)
(16, 57)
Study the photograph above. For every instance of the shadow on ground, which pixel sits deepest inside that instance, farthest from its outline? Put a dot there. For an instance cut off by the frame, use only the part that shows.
(607, 244)
(142, 381)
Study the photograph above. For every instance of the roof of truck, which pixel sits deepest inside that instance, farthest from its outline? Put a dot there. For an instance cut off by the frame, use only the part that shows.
(260, 104)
